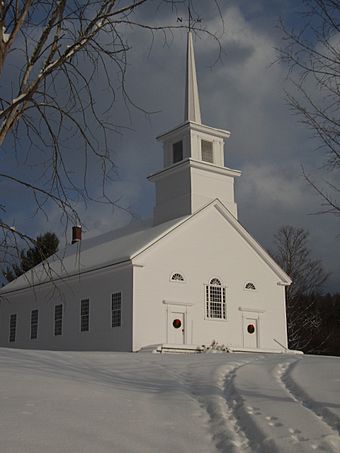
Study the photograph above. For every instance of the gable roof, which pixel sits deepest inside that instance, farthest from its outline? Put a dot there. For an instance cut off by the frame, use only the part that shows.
(108, 249)
(233, 221)
(262, 253)
(122, 246)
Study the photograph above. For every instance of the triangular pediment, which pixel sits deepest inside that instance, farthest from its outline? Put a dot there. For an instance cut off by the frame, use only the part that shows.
(235, 224)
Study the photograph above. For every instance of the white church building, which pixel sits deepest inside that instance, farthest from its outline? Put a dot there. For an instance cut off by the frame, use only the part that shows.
(190, 276)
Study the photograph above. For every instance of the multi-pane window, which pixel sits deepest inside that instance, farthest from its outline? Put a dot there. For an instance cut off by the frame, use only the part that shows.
(116, 309)
(34, 324)
(177, 277)
(215, 300)
(58, 319)
(250, 285)
(12, 327)
(177, 152)
(207, 151)
(84, 315)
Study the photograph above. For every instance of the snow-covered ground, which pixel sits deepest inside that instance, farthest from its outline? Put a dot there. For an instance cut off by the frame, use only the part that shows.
(96, 402)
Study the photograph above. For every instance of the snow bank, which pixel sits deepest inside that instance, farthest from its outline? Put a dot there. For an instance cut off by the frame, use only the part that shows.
(123, 402)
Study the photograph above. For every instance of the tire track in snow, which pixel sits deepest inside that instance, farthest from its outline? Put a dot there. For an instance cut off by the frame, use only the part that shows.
(325, 417)
(215, 395)
(300, 396)
(227, 430)
(248, 436)
(271, 417)
(232, 420)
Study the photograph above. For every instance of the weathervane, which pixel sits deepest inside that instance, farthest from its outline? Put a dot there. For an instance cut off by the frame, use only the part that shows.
(192, 21)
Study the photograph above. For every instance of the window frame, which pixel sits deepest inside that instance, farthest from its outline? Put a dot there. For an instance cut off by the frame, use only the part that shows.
(172, 280)
(177, 151)
(34, 326)
(85, 316)
(114, 311)
(204, 151)
(211, 306)
(11, 337)
(248, 283)
(58, 320)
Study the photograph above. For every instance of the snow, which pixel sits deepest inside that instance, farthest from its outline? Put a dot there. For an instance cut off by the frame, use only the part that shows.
(19, 98)
(110, 248)
(5, 36)
(142, 402)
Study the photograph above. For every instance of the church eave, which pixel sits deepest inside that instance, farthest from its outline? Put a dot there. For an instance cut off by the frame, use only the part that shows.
(193, 163)
(220, 133)
(32, 282)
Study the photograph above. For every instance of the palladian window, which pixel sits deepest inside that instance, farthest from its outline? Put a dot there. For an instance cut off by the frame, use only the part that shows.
(215, 300)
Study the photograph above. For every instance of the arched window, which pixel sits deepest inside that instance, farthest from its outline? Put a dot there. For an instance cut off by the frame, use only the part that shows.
(250, 285)
(177, 277)
(215, 300)
(215, 281)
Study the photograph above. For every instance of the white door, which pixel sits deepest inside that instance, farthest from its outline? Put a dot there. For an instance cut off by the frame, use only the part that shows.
(176, 328)
(250, 333)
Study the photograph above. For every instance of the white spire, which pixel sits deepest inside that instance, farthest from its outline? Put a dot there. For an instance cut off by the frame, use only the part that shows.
(192, 102)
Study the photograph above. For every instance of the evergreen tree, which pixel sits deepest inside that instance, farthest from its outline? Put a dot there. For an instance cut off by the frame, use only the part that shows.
(45, 246)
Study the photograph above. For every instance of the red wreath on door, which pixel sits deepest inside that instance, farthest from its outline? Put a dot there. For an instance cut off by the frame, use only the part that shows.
(251, 328)
(177, 323)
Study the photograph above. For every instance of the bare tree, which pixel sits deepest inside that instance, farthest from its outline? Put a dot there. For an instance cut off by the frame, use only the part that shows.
(312, 52)
(53, 53)
(293, 254)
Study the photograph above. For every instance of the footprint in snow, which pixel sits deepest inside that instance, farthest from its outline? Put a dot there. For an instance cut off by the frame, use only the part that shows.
(317, 447)
(295, 434)
(273, 421)
(253, 410)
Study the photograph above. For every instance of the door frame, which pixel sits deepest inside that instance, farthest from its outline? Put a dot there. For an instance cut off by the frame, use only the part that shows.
(257, 336)
(254, 313)
(183, 328)
(185, 309)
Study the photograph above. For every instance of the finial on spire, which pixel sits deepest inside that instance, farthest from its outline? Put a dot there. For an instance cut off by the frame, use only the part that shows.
(189, 18)
(191, 21)
(192, 111)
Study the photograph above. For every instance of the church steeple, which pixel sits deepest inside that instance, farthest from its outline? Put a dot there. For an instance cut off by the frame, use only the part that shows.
(192, 111)
(194, 173)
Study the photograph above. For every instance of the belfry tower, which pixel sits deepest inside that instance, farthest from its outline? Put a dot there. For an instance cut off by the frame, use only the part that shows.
(194, 173)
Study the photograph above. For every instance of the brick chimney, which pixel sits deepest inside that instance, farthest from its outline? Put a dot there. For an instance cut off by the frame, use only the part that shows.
(76, 234)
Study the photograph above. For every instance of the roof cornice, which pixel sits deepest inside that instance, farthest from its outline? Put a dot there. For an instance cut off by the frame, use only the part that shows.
(220, 133)
(193, 163)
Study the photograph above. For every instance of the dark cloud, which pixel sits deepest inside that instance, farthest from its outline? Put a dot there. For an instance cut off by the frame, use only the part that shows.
(242, 92)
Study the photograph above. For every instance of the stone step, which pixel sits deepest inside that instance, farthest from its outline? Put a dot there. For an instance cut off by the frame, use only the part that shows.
(179, 349)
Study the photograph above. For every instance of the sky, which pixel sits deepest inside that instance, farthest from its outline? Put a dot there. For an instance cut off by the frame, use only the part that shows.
(241, 90)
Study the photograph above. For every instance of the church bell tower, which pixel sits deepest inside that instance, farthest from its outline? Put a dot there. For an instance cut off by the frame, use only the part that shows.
(194, 173)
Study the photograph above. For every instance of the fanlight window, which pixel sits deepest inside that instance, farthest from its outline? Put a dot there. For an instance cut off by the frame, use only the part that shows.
(215, 300)
(177, 277)
(250, 285)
